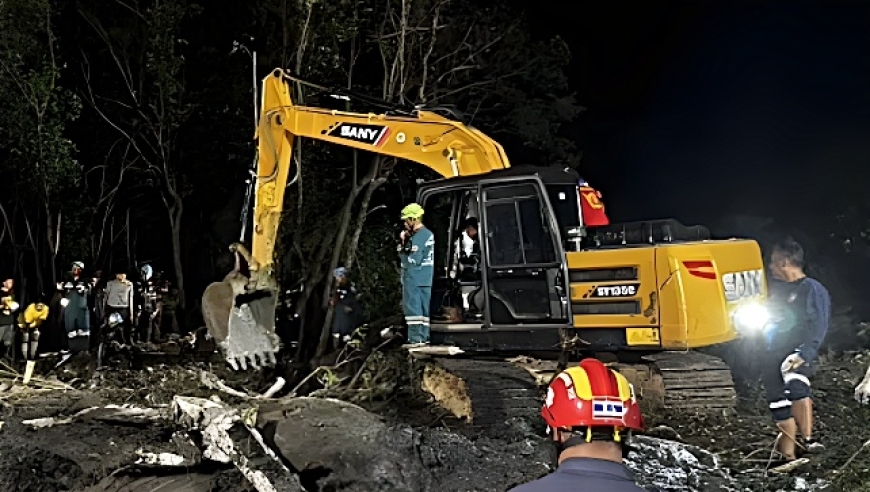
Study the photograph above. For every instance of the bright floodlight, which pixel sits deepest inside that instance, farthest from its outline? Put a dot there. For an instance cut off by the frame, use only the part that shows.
(751, 317)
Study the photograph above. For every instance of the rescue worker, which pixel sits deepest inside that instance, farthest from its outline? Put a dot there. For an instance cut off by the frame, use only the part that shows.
(166, 304)
(76, 317)
(8, 315)
(590, 412)
(146, 304)
(118, 298)
(347, 314)
(417, 254)
(801, 310)
(29, 322)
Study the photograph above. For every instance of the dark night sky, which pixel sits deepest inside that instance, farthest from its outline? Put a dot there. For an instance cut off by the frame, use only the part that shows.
(700, 109)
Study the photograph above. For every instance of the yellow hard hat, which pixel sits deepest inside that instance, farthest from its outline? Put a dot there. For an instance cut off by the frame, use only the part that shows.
(412, 211)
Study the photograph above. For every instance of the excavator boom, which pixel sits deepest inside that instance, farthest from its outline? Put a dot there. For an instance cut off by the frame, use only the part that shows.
(240, 311)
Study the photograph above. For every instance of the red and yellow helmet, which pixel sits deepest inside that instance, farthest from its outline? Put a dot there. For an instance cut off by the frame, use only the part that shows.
(591, 395)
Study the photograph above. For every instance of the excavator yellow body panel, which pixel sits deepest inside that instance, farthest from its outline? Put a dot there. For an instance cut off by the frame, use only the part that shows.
(667, 296)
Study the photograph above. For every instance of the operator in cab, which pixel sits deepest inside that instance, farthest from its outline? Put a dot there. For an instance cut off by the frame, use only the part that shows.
(590, 412)
(468, 250)
(801, 312)
(417, 254)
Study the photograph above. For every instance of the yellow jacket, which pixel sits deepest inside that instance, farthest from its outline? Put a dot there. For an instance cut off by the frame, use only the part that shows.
(33, 316)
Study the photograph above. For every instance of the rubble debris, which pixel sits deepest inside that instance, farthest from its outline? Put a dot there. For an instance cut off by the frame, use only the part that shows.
(340, 446)
(221, 427)
(161, 459)
(116, 414)
(210, 380)
(673, 466)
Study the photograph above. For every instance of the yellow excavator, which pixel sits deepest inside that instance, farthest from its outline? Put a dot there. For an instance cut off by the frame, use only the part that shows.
(545, 282)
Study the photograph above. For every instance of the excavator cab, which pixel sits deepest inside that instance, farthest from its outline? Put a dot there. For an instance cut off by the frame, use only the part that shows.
(519, 300)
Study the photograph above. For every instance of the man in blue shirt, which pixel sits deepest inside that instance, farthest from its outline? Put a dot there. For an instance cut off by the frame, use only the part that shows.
(802, 311)
(417, 253)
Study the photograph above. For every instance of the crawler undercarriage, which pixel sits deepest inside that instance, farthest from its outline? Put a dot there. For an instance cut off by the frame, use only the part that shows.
(490, 389)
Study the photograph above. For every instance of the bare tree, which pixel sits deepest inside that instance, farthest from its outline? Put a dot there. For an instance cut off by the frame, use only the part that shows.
(150, 107)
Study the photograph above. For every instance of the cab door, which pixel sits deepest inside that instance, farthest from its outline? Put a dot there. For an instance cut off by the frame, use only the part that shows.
(525, 276)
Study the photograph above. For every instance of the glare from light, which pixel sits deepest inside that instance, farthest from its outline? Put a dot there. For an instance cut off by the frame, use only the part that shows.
(751, 317)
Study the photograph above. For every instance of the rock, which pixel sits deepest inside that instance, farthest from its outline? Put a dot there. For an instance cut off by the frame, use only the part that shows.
(341, 446)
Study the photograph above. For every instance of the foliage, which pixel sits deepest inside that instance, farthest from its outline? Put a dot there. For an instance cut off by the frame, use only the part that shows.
(38, 158)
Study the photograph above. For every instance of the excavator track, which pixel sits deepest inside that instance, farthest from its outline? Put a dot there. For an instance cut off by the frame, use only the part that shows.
(683, 381)
(498, 390)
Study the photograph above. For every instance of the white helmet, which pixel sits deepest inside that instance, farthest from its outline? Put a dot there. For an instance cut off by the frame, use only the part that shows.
(146, 272)
(115, 319)
(77, 264)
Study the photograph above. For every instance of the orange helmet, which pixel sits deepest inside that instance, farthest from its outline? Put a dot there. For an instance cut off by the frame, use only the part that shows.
(591, 395)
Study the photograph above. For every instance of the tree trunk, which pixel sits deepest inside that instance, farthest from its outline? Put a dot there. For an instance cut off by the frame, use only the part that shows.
(338, 247)
(350, 254)
(175, 214)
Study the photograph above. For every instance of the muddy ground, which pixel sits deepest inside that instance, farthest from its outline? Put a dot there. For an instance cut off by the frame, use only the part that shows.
(98, 455)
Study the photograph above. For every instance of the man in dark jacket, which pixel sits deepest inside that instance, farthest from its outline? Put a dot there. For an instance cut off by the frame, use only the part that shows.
(802, 310)
(8, 315)
(76, 290)
(347, 314)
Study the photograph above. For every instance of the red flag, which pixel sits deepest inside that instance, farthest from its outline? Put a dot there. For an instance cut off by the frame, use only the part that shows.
(591, 207)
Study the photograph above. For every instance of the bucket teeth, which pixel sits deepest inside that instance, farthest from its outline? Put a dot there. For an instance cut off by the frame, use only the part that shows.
(256, 360)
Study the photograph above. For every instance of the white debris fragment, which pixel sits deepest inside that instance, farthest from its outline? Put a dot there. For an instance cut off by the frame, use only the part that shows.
(159, 459)
(213, 420)
(46, 422)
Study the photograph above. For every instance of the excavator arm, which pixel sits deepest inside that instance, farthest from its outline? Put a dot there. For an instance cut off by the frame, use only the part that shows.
(240, 311)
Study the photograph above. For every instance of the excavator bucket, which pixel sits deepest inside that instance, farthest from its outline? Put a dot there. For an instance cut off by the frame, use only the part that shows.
(243, 324)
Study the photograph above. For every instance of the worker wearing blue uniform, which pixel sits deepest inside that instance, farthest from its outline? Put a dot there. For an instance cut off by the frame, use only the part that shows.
(591, 412)
(417, 253)
(801, 309)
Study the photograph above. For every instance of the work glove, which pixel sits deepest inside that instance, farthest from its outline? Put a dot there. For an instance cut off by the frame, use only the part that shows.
(64, 302)
(791, 363)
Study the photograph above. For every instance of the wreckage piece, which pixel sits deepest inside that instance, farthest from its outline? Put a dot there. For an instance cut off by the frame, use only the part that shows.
(187, 482)
(223, 428)
(211, 381)
(345, 447)
(110, 414)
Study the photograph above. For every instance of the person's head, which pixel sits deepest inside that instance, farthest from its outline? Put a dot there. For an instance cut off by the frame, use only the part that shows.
(8, 283)
(77, 268)
(787, 260)
(471, 227)
(340, 275)
(591, 411)
(146, 272)
(121, 276)
(413, 216)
